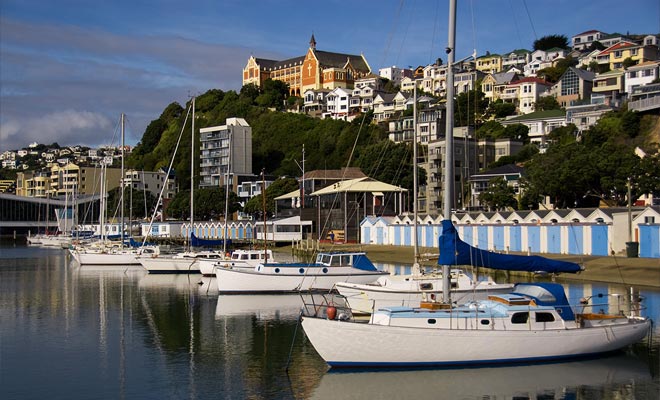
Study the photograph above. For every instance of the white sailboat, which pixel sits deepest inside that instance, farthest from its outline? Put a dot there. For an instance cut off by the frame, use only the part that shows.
(104, 252)
(411, 289)
(186, 262)
(535, 322)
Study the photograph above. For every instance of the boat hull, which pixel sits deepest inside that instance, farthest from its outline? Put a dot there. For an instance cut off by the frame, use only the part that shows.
(104, 258)
(354, 344)
(242, 281)
(170, 265)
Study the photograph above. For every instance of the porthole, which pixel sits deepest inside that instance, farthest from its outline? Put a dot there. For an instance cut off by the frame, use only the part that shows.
(325, 270)
(277, 270)
(431, 321)
(485, 322)
(301, 270)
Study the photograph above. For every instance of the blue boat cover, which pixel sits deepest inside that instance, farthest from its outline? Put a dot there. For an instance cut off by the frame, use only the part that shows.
(197, 242)
(454, 251)
(557, 299)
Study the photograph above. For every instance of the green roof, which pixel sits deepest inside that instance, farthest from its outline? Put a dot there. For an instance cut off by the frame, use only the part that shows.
(539, 115)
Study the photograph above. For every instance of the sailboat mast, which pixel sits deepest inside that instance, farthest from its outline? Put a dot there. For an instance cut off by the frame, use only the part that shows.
(416, 267)
(263, 197)
(449, 137)
(121, 181)
(224, 239)
(192, 172)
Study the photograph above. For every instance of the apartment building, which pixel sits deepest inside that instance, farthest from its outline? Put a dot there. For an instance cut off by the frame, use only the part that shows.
(225, 149)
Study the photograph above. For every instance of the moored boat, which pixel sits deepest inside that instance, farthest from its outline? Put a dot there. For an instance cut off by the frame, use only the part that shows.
(246, 259)
(533, 323)
(321, 275)
(186, 262)
(410, 290)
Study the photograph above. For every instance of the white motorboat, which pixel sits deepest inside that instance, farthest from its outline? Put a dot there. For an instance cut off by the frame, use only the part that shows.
(246, 259)
(322, 275)
(410, 290)
(533, 323)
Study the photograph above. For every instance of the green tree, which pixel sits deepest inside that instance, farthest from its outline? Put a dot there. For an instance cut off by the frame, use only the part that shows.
(596, 45)
(273, 95)
(546, 103)
(500, 109)
(209, 204)
(564, 134)
(490, 130)
(499, 195)
(134, 203)
(470, 108)
(551, 41)
(628, 62)
(517, 132)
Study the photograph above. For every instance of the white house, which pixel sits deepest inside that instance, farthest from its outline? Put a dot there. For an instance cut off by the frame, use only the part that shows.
(540, 124)
(583, 40)
(641, 74)
(338, 103)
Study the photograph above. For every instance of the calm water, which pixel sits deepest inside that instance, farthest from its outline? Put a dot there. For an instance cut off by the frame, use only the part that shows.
(98, 333)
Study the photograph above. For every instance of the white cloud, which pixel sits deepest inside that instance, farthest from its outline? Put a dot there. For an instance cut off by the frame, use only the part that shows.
(66, 127)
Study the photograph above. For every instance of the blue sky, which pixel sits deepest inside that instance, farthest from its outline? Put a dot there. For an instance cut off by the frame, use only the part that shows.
(68, 68)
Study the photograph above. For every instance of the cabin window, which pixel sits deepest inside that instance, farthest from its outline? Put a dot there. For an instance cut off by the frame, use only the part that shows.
(345, 260)
(425, 286)
(544, 317)
(484, 322)
(520, 318)
(254, 256)
(431, 321)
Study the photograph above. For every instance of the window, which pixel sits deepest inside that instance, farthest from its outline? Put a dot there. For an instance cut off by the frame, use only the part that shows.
(544, 317)
(520, 318)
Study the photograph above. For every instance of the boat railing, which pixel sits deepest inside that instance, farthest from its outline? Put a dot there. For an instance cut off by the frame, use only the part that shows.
(611, 304)
(326, 305)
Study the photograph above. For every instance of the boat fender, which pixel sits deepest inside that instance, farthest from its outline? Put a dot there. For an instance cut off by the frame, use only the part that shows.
(331, 312)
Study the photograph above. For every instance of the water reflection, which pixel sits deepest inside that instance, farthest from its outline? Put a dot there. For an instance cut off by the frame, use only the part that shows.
(549, 381)
(100, 332)
(262, 306)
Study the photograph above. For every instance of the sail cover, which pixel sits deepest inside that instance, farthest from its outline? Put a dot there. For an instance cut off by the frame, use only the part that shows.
(197, 242)
(454, 251)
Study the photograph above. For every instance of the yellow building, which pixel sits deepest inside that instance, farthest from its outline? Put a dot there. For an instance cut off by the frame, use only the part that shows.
(489, 64)
(315, 70)
(617, 53)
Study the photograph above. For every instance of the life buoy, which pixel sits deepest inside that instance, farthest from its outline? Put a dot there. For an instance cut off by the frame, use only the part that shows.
(331, 312)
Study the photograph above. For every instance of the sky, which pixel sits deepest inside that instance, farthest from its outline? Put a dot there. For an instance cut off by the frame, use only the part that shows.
(69, 68)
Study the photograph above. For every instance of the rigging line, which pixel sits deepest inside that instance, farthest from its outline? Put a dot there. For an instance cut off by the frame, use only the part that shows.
(474, 29)
(169, 171)
(392, 32)
(435, 25)
(515, 21)
(405, 35)
(530, 19)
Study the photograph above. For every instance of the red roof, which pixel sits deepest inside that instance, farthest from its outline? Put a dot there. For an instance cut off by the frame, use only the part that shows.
(618, 46)
(531, 79)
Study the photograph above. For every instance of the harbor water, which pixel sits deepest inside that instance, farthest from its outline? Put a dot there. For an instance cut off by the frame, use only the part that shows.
(70, 332)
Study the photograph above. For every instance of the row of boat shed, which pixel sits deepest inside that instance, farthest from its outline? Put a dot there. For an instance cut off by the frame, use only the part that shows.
(594, 231)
